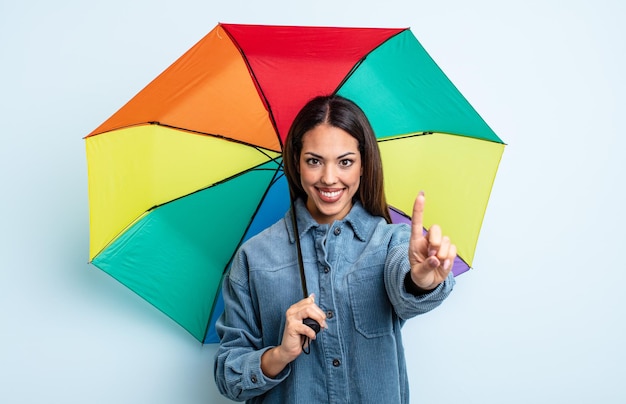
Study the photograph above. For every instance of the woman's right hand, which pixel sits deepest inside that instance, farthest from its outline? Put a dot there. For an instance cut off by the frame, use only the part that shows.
(274, 360)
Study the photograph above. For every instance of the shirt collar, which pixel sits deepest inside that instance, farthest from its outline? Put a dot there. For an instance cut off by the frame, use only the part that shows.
(357, 218)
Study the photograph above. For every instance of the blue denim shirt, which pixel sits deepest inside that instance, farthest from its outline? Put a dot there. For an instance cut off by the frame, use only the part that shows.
(356, 267)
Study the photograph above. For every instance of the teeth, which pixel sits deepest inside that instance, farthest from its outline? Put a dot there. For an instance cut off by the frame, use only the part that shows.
(330, 194)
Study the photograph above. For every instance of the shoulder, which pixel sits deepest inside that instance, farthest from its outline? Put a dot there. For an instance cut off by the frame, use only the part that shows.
(391, 234)
(272, 235)
(259, 251)
(375, 232)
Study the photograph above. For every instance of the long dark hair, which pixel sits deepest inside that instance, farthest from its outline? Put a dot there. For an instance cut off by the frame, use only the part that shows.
(344, 114)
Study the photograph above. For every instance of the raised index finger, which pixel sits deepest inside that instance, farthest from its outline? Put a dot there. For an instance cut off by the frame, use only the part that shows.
(417, 220)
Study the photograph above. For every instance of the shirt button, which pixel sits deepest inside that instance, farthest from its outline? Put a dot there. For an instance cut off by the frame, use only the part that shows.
(329, 314)
(337, 231)
(336, 362)
(253, 379)
(326, 270)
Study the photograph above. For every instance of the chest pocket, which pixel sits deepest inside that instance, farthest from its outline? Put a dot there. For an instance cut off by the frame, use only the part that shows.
(371, 308)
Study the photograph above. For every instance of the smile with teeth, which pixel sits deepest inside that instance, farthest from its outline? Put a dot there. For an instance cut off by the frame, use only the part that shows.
(330, 195)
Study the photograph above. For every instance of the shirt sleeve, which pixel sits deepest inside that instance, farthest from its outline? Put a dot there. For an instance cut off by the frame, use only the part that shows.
(237, 367)
(405, 303)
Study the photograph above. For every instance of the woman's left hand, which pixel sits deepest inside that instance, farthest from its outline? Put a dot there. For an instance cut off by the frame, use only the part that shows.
(431, 255)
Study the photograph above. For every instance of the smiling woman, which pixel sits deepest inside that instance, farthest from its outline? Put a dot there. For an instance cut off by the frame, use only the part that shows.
(367, 276)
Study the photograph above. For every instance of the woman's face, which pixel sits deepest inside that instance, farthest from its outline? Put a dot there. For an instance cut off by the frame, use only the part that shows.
(330, 172)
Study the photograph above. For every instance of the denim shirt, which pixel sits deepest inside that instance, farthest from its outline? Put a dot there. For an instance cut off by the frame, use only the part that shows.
(356, 268)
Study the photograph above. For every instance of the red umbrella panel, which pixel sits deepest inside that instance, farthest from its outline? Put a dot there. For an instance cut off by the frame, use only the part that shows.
(191, 166)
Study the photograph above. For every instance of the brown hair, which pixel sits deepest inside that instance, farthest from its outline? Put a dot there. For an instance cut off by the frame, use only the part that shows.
(344, 114)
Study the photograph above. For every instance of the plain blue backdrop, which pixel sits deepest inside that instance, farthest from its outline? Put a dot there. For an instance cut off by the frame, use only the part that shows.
(539, 320)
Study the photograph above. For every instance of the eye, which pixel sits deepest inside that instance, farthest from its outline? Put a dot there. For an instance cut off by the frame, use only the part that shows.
(346, 162)
(312, 161)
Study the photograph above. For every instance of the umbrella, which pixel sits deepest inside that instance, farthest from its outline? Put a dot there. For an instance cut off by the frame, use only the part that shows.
(191, 166)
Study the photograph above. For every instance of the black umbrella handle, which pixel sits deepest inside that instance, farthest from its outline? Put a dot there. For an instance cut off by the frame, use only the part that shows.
(313, 324)
(308, 321)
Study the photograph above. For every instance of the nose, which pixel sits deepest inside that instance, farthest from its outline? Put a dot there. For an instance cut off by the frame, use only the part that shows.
(329, 175)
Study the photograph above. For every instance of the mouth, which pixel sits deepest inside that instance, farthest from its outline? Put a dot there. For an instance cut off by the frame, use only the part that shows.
(330, 196)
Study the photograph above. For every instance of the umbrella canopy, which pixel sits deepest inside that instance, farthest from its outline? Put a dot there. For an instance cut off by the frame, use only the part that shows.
(191, 166)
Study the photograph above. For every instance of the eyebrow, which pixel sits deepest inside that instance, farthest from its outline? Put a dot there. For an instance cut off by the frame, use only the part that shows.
(317, 156)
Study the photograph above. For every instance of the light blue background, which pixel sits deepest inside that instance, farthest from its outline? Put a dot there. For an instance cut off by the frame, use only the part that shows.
(540, 319)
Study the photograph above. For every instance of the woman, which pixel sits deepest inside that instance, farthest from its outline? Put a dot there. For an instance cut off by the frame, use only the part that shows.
(366, 276)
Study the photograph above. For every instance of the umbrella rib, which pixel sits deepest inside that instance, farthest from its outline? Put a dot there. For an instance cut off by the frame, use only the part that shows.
(277, 175)
(135, 220)
(255, 168)
(256, 211)
(257, 84)
(417, 134)
(215, 135)
(360, 61)
(197, 132)
(434, 132)
(122, 231)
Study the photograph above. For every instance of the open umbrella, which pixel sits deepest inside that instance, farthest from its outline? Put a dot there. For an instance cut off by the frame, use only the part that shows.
(191, 166)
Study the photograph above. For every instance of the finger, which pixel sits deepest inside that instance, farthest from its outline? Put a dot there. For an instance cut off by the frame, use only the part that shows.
(417, 219)
(434, 240)
(449, 262)
(444, 248)
(318, 315)
(306, 331)
(308, 309)
(295, 320)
